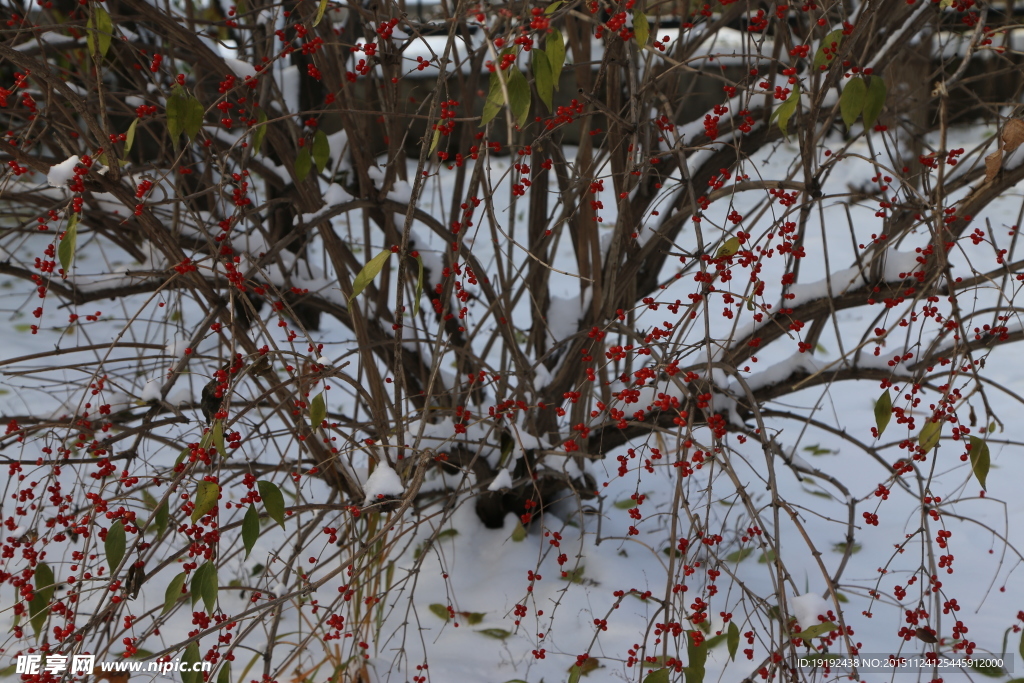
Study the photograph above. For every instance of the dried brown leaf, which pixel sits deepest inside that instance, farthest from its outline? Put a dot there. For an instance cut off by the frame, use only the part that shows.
(1013, 134)
(993, 162)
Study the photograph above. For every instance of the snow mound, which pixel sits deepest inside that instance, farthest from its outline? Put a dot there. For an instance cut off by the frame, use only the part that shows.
(383, 482)
(502, 481)
(807, 607)
(60, 174)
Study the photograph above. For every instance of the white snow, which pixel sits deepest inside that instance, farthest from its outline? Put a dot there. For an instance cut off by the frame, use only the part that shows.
(383, 482)
(503, 480)
(807, 608)
(60, 174)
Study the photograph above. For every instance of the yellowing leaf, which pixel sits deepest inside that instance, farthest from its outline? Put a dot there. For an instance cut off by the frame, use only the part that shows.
(218, 438)
(552, 7)
(832, 41)
(519, 533)
(851, 102)
(419, 288)
(495, 99)
(499, 633)
(930, 434)
(883, 411)
(555, 50)
(320, 12)
(317, 411)
(184, 114)
(273, 500)
(206, 499)
(100, 30)
(321, 150)
(817, 630)
(259, 131)
(980, 460)
(728, 248)
(874, 101)
(129, 137)
(641, 28)
(434, 140)
(440, 610)
(785, 111)
(66, 248)
(368, 273)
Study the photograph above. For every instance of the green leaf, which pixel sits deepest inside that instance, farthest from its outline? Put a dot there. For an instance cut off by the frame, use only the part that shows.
(785, 111)
(519, 533)
(317, 411)
(250, 528)
(555, 50)
(739, 555)
(495, 99)
(184, 114)
(542, 79)
(842, 546)
(440, 610)
(129, 137)
(259, 131)
(321, 150)
(434, 141)
(851, 102)
(696, 658)
(659, 676)
(832, 39)
(499, 633)
(66, 248)
(148, 499)
(42, 594)
(173, 592)
(626, 504)
(929, 436)
(519, 96)
(206, 499)
(320, 12)
(419, 288)
(100, 31)
(816, 630)
(218, 438)
(733, 639)
(550, 9)
(729, 247)
(160, 519)
(303, 163)
(883, 411)
(207, 586)
(641, 28)
(986, 668)
(190, 658)
(980, 460)
(1020, 648)
(8, 671)
(196, 589)
(273, 500)
(575, 671)
(224, 675)
(368, 273)
(874, 100)
(114, 545)
(574, 575)
(473, 618)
